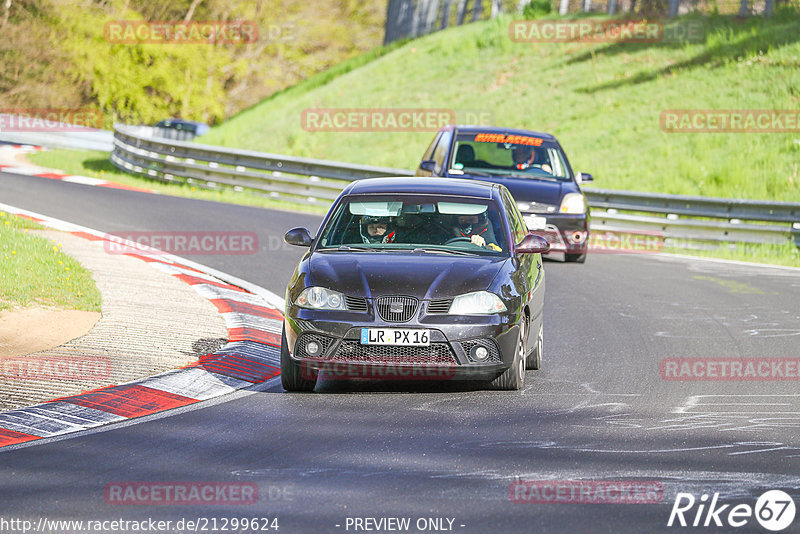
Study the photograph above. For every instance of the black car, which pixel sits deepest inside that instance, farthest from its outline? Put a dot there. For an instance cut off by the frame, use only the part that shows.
(416, 278)
(532, 165)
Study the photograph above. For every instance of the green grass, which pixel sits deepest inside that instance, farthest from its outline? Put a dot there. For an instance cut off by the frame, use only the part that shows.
(97, 165)
(33, 269)
(603, 102)
(786, 254)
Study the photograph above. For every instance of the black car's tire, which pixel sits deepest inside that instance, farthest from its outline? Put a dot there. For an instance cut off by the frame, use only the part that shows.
(514, 377)
(534, 360)
(292, 378)
(575, 258)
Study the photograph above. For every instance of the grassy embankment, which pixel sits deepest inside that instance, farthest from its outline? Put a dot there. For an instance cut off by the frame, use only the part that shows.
(34, 270)
(603, 101)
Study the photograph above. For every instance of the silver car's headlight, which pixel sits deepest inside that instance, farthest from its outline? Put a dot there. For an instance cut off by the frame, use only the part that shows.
(573, 203)
(320, 298)
(477, 303)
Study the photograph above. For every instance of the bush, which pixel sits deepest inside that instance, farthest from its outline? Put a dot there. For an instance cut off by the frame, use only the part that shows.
(537, 9)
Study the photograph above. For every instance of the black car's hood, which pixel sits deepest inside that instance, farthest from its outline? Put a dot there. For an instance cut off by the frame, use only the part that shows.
(531, 190)
(421, 275)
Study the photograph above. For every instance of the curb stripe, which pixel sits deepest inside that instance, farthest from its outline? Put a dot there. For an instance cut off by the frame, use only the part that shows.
(232, 306)
(193, 280)
(251, 334)
(131, 400)
(9, 437)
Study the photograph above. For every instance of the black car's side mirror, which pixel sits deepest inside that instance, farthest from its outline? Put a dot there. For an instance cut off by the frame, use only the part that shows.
(531, 244)
(428, 165)
(585, 177)
(298, 237)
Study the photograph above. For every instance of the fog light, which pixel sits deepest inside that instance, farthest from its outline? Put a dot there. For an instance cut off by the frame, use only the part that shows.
(312, 348)
(577, 237)
(480, 353)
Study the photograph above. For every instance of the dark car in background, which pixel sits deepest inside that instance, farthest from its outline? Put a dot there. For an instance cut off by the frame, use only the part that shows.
(181, 129)
(417, 278)
(532, 165)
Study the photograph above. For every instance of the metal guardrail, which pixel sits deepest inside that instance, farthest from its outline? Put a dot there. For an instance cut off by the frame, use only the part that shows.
(139, 150)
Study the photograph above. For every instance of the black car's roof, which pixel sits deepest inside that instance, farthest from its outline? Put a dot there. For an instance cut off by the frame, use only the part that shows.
(422, 185)
(465, 128)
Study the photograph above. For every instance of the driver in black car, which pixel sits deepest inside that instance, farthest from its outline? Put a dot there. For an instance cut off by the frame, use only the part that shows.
(477, 229)
(376, 230)
(524, 157)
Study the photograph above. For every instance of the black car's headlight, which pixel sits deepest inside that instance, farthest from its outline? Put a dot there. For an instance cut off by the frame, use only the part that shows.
(573, 203)
(477, 303)
(320, 298)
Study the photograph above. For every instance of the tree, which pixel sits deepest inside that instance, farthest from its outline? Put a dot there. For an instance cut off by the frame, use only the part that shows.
(445, 14)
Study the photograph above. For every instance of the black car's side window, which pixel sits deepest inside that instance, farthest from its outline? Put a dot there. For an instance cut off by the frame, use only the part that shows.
(518, 228)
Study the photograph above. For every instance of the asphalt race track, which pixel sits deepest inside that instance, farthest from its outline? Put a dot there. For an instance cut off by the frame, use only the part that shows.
(599, 409)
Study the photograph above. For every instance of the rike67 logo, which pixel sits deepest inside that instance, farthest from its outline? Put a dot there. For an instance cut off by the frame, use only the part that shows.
(774, 511)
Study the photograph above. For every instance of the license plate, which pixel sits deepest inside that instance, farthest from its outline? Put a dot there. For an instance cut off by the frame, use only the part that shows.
(536, 223)
(396, 336)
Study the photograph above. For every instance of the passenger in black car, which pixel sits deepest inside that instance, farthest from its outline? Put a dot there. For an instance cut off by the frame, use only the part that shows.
(377, 229)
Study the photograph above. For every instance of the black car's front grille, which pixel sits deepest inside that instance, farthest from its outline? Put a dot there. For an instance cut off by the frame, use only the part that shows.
(324, 342)
(488, 344)
(354, 351)
(439, 305)
(397, 309)
(356, 304)
(540, 207)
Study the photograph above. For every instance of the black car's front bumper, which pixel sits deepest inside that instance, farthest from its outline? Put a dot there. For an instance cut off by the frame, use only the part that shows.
(565, 232)
(450, 355)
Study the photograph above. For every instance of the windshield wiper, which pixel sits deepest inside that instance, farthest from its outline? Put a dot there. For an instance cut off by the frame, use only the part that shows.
(445, 250)
(534, 177)
(358, 248)
(476, 173)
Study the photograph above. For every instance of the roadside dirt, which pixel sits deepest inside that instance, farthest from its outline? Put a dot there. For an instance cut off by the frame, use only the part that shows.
(21, 329)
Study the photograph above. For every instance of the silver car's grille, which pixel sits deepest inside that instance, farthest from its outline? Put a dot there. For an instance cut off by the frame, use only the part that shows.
(397, 309)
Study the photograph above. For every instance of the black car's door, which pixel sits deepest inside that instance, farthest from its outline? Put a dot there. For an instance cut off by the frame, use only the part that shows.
(529, 273)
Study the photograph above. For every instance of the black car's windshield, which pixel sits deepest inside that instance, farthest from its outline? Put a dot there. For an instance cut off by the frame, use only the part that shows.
(416, 223)
(501, 154)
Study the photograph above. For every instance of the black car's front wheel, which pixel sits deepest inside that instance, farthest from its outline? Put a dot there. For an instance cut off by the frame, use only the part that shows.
(293, 376)
(575, 258)
(514, 377)
(534, 360)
